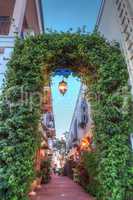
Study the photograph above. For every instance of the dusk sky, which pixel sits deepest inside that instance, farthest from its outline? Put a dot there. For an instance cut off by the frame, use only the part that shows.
(61, 15)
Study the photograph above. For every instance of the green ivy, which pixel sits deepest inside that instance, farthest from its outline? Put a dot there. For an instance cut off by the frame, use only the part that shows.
(105, 74)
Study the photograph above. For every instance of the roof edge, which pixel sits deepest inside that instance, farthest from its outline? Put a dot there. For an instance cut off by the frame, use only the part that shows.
(41, 15)
(100, 12)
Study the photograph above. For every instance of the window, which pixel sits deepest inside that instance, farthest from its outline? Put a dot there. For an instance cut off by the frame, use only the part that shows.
(130, 45)
(127, 35)
(131, 138)
(4, 18)
(125, 29)
(117, 1)
(119, 6)
(121, 13)
(4, 25)
(83, 105)
(124, 5)
(75, 128)
(123, 20)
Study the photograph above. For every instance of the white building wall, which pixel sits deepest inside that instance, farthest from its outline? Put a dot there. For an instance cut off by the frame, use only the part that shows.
(115, 22)
(18, 16)
(107, 22)
(7, 41)
(81, 132)
(6, 46)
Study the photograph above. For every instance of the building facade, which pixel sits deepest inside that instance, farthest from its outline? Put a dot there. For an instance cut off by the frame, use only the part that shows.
(17, 16)
(48, 122)
(21, 17)
(81, 121)
(115, 22)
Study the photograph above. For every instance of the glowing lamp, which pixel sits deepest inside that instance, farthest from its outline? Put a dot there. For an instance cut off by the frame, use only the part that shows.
(63, 87)
(42, 152)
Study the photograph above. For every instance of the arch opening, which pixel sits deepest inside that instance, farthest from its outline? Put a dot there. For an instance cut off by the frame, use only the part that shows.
(101, 67)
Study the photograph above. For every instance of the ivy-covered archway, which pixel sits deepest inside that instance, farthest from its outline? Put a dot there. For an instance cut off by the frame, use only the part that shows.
(102, 68)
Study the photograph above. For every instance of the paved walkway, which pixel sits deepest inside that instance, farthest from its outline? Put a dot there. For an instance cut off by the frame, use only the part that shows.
(61, 188)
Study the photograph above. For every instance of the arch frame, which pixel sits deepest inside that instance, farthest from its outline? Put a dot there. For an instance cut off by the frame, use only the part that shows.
(101, 66)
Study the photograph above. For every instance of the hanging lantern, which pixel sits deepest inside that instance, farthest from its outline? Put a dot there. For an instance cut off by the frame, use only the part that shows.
(63, 87)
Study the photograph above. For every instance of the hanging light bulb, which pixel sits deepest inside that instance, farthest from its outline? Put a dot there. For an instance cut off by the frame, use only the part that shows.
(63, 87)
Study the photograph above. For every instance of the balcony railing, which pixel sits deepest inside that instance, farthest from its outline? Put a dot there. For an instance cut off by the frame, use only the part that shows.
(5, 22)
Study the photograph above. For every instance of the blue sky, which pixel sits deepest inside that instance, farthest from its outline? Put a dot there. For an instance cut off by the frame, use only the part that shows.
(63, 106)
(61, 15)
(65, 14)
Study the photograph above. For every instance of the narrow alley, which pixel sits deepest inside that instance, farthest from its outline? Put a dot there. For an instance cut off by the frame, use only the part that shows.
(66, 99)
(61, 188)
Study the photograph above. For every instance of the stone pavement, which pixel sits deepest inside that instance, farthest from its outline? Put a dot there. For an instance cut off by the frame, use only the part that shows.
(61, 188)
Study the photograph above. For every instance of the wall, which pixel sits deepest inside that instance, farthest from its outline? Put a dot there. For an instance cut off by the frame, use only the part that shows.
(6, 46)
(115, 22)
(6, 10)
(29, 19)
(31, 16)
(76, 133)
(6, 7)
(107, 23)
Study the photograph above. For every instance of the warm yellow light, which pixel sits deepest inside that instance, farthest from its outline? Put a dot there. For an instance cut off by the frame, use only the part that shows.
(84, 143)
(63, 87)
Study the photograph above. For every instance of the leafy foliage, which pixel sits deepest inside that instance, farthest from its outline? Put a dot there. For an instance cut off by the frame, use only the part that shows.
(101, 67)
(60, 146)
(88, 172)
(45, 169)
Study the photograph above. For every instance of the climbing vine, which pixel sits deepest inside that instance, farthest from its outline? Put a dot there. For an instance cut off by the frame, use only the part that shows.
(102, 68)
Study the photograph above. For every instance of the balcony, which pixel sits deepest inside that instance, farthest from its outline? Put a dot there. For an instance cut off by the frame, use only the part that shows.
(48, 124)
(5, 22)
